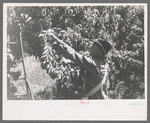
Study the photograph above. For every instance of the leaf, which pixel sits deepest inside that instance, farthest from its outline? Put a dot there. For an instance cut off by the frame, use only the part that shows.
(48, 66)
(45, 51)
(45, 47)
(43, 56)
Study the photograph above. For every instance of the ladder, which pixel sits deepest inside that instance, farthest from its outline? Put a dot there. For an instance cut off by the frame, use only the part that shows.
(29, 94)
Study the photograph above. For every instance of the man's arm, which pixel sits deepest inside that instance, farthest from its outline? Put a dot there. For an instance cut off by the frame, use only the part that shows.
(80, 60)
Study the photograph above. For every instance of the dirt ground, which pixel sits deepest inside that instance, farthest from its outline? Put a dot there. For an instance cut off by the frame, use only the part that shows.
(37, 78)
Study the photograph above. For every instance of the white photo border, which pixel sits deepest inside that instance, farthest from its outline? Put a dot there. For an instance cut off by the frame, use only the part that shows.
(107, 110)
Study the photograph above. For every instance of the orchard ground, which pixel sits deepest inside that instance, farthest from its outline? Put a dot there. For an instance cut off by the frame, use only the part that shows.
(38, 78)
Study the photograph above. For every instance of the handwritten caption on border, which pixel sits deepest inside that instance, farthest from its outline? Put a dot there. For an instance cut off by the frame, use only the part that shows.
(84, 102)
(136, 103)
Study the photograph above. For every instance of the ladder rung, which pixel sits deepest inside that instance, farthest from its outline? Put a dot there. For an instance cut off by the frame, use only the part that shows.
(21, 78)
(14, 42)
(20, 95)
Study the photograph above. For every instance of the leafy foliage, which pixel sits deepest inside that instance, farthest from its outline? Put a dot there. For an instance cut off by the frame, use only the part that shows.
(69, 77)
(76, 25)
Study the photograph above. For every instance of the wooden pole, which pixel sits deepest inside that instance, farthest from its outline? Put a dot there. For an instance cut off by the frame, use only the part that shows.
(27, 84)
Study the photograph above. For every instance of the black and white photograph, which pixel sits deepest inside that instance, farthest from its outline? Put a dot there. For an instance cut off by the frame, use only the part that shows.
(77, 55)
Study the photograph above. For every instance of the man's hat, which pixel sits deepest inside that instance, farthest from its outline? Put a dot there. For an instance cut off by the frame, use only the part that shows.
(104, 44)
